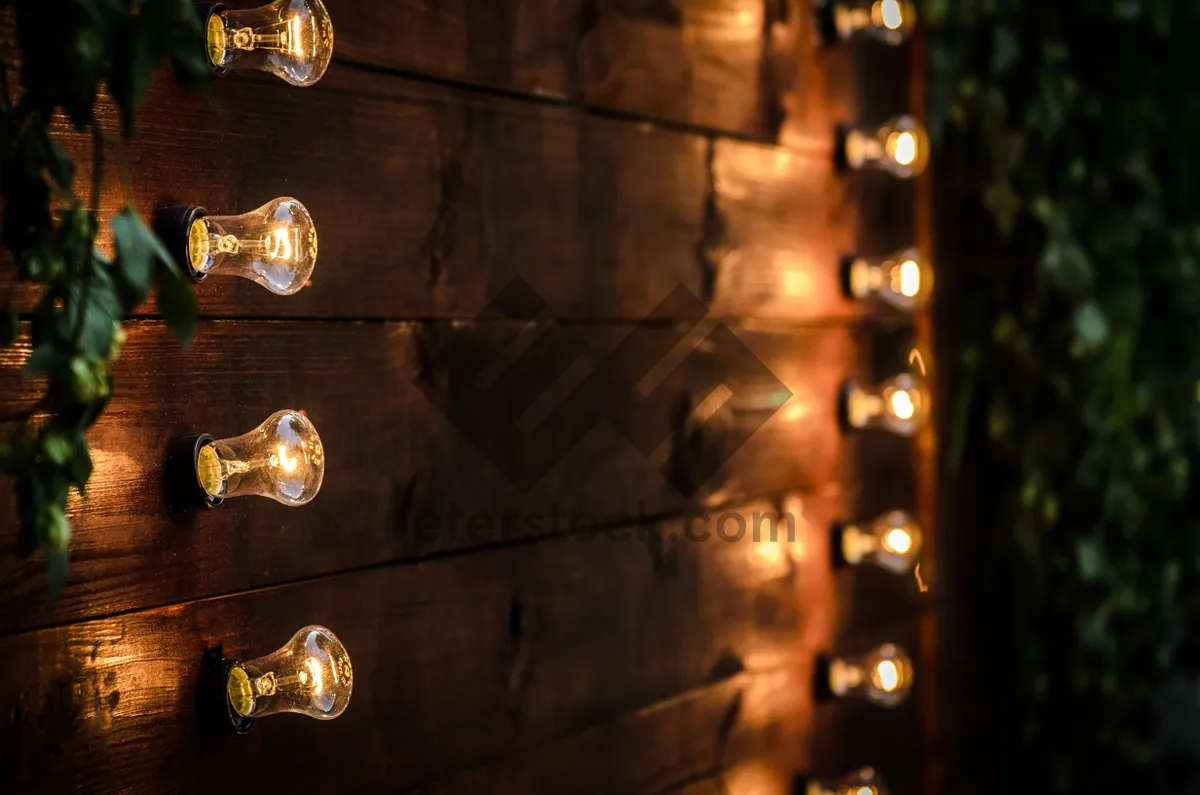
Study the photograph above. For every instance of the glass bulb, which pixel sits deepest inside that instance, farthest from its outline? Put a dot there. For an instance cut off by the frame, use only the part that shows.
(903, 280)
(864, 781)
(899, 146)
(900, 405)
(889, 21)
(282, 459)
(292, 39)
(311, 675)
(892, 542)
(883, 676)
(275, 245)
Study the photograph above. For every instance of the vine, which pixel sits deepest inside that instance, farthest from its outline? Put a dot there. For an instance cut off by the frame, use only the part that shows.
(74, 54)
(1069, 153)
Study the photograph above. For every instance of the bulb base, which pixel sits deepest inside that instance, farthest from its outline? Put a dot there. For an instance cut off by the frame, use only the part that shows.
(822, 690)
(184, 491)
(803, 784)
(174, 225)
(837, 546)
(846, 277)
(826, 22)
(207, 9)
(843, 406)
(841, 140)
(216, 710)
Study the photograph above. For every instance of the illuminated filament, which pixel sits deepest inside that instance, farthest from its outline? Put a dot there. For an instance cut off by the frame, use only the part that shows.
(886, 675)
(902, 147)
(284, 37)
(906, 279)
(898, 541)
(902, 405)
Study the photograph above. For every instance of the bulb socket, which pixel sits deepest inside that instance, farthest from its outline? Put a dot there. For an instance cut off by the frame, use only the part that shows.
(826, 19)
(846, 268)
(215, 709)
(207, 9)
(837, 551)
(174, 225)
(841, 136)
(802, 784)
(822, 691)
(183, 483)
(843, 406)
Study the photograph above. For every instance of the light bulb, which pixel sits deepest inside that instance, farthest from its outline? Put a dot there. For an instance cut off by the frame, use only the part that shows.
(889, 21)
(275, 245)
(883, 676)
(900, 405)
(282, 459)
(892, 542)
(899, 146)
(310, 675)
(864, 781)
(292, 39)
(903, 280)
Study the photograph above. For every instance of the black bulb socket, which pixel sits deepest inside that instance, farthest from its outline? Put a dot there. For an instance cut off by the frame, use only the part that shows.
(174, 226)
(826, 18)
(216, 711)
(184, 491)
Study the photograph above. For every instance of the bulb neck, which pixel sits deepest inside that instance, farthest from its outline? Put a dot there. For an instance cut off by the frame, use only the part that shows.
(184, 491)
(174, 225)
(215, 710)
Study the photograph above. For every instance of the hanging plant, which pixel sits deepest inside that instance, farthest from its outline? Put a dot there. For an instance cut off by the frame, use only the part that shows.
(72, 53)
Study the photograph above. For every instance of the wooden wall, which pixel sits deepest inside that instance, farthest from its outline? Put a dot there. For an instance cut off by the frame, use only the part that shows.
(607, 152)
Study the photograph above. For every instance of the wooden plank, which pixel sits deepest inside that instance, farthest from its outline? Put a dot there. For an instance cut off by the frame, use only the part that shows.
(699, 62)
(400, 477)
(518, 45)
(452, 194)
(457, 662)
(722, 733)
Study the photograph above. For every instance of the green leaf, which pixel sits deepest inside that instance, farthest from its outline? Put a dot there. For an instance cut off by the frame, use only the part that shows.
(44, 359)
(176, 302)
(58, 569)
(1006, 49)
(81, 464)
(138, 248)
(56, 447)
(92, 309)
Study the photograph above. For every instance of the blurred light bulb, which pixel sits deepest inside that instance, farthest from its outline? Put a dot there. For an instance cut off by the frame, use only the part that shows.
(902, 280)
(864, 781)
(900, 405)
(292, 39)
(892, 542)
(899, 146)
(282, 459)
(883, 676)
(311, 675)
(275, 245)
(889, 21)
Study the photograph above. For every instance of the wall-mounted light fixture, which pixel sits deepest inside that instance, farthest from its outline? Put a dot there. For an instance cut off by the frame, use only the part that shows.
(282, 459)
(901, 405)
(903, 280)
(309, 675)
(892, 542)
(291, 39)
(899, 146)
(883, 676)
(275, 245)
(889, 21)
(864, 781)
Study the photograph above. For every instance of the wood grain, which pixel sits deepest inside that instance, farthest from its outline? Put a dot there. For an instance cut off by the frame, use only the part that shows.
(457, 663)
(517, 45)
(400, 477)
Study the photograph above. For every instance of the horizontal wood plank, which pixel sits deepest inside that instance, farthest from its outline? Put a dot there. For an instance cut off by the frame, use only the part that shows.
(401, 479)
(457, 662)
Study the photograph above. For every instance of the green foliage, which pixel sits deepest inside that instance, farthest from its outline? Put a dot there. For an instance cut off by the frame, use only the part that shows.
(70, 50)
(1068, 135)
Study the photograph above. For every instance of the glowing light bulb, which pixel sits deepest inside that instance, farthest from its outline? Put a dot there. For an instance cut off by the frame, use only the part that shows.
(889, 21)
(892, 542)
(899, 146)
(900, 405)
(275, 245)
(281, 459)
(864, 781)
(310, 675)
(883, 676)
(291, 39)
(903, 280)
